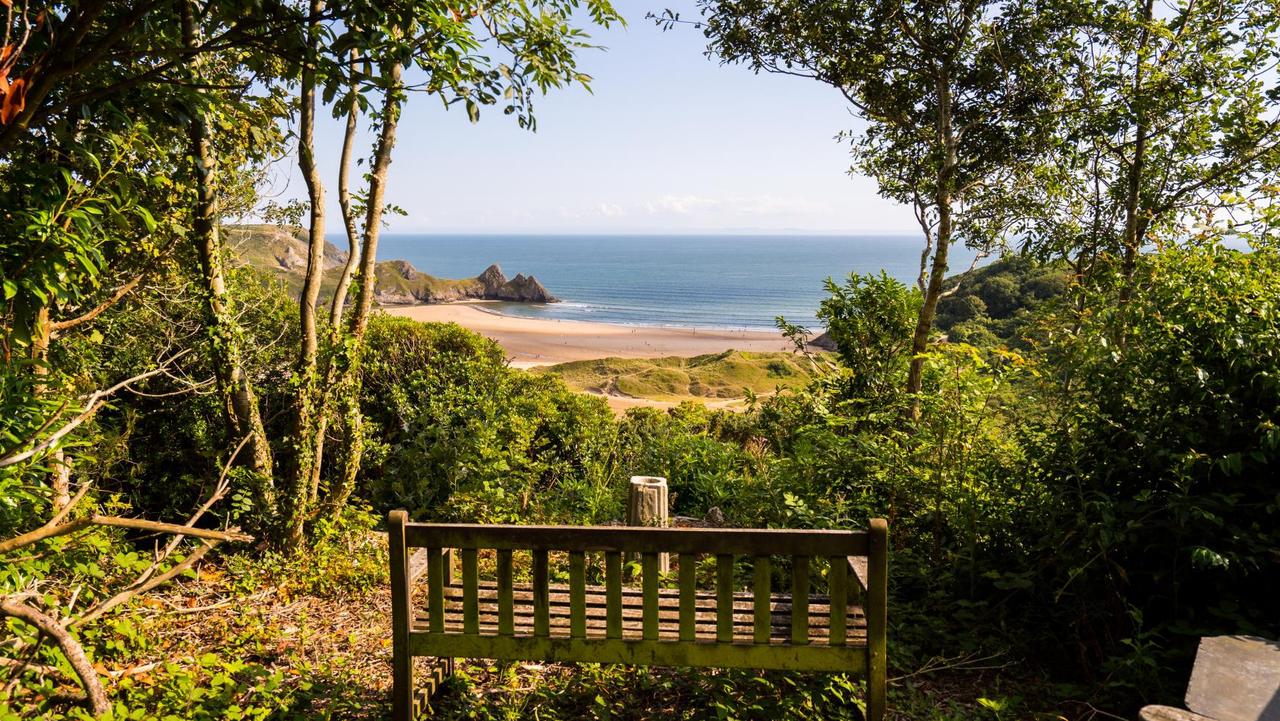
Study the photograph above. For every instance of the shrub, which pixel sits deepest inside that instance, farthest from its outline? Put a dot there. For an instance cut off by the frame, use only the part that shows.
(461, 436)
(1161, 458)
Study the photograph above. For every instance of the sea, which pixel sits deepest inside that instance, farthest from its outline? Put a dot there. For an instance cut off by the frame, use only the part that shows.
(701, 281)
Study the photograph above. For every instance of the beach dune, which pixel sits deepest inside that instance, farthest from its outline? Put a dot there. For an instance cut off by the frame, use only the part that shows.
(535, 341)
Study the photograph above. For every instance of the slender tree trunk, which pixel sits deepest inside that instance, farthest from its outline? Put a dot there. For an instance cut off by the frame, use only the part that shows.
(239, 398)
(308, 434)
(390, 116)
(41, 339)
(938, 272)
(348, 211)
(358, 322)
(335, 381)
(1134, 226)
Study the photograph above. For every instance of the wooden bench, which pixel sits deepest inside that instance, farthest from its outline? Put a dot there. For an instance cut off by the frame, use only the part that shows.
(1235, 678)
(503, 618)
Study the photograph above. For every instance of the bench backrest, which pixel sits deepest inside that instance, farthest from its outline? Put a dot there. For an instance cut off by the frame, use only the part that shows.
(612, 542)
(1236, 678)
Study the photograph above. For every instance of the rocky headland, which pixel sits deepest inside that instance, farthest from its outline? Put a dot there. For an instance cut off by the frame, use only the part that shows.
(282, 251)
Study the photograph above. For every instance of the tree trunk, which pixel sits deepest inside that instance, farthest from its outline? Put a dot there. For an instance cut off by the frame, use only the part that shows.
(348, 212)
(1134, 227)
(41, 338)
(235, 387)
(308, 434)
(938, 272)
(359, 320)
(335, 380)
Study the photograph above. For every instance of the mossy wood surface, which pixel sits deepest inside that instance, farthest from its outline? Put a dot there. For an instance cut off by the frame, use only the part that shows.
(799, 614)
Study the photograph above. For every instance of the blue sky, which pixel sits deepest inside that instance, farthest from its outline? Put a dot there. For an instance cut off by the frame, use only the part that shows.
(669, 141)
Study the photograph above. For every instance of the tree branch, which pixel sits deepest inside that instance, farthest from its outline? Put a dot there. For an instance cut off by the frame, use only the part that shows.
(70, 647)
(98, 310)
(47, 531)
(95, 401)
(123, 596)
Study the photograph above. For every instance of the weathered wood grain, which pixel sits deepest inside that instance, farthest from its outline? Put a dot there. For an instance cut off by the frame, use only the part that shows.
(1236, 678)
(731, 541)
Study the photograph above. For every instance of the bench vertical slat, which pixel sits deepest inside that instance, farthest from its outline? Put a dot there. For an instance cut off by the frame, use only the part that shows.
(838, 590)
(401, 660)
(541, 595)
(800, 600)
(506, 603)
(877, 617)
(470, 592)
(435, 589)
(724, 598)
(688, 595)
(578, 594)
(649, 595)
(613, 593)
(763, 613)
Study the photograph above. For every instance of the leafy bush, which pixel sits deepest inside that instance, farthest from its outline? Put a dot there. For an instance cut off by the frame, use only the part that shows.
(464, 437)
(1160, 460)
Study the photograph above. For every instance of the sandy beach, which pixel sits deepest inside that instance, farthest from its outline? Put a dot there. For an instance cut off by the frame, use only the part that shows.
(534, 341)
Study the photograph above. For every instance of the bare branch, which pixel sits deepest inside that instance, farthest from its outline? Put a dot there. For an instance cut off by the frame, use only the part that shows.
(100, 308)
(46, 532)
(70, 647)
(94, 401)
(123, 596)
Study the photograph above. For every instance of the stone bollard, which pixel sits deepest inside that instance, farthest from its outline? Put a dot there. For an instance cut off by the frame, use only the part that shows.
(647, 506)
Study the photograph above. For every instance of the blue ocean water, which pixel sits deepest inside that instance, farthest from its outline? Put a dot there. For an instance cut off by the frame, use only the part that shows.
(706, 281)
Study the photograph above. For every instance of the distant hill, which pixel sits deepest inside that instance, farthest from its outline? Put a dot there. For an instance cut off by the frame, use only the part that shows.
(994, 301)
(282, 251)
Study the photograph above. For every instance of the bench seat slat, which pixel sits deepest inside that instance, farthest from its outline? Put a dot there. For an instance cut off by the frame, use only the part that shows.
(800, 600)
(763, 598)
(838, 584)
(724, 597)
(577, 593)
(614, 592)
(707, 618)
(649, 577)
(541, 603)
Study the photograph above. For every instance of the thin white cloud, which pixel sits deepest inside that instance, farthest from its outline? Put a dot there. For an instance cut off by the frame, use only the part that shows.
(734, 205)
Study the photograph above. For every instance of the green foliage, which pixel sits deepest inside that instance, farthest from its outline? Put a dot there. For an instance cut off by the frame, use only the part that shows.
(461, 436)
(617, 693)
(870, 319)
(1159, 456)
(347, 556)
(1167, 122)
(992, 305)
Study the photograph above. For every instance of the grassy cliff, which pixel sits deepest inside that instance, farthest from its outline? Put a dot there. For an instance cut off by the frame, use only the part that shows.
(282, 251)
(730, 374)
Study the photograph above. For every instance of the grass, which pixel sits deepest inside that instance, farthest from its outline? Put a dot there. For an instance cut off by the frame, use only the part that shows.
(720, 376)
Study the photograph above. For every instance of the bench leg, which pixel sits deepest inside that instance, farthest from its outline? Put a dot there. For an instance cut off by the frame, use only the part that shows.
(877, 618)
(401, 660)
(402, 700)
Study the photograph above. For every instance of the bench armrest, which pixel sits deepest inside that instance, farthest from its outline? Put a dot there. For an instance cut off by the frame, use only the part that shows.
(858, 565)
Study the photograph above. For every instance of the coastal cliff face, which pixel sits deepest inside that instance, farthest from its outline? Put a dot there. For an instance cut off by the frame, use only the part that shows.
(282, 251)
(399, 283)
